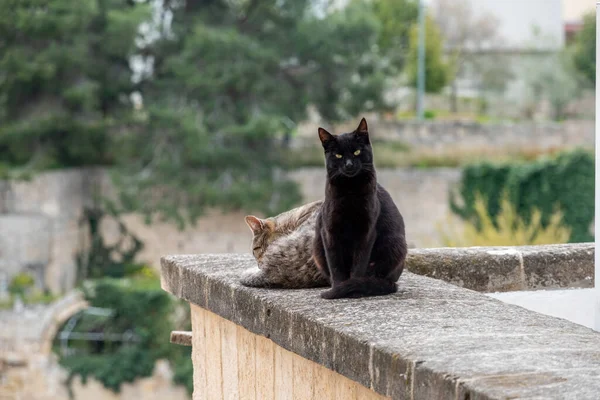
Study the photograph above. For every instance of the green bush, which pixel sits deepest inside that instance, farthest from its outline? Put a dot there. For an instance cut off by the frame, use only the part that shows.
(429, 114)
(565, 181)
(509, 229)
(139, 306)
(20, 284)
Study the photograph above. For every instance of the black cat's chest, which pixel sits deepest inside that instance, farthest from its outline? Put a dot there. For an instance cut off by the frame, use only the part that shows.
(351, 216)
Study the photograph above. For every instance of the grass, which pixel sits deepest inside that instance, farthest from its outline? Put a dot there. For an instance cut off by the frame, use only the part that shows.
(399, 155)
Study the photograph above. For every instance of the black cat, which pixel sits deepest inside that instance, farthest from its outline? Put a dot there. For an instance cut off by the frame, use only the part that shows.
(360, 245)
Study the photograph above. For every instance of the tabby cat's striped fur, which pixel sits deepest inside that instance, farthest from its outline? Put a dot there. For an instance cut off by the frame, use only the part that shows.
(282, 246)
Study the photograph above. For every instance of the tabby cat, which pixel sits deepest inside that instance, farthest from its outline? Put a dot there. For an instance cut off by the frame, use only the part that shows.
(360, 243)
(282, 246)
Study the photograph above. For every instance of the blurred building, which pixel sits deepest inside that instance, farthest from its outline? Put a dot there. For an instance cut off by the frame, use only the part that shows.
(502, 43)
(573, 13)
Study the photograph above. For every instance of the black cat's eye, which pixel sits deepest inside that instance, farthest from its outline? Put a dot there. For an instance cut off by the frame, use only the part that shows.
(338, 156)
(357, 152)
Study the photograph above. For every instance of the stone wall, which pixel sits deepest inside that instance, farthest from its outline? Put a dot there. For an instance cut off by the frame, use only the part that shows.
(444, 136)
(421, 195)
(40, 223)
(41, 230)
(42, 378)
(29, 370)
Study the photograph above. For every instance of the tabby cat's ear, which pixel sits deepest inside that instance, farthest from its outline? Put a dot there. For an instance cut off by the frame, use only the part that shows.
(255, 224)
(362, 127)
(325, 136)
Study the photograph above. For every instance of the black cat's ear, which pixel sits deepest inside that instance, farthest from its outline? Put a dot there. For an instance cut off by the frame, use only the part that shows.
(325, 136)
(362, 127)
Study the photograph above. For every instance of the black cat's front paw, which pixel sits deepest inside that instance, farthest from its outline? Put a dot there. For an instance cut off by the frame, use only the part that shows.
(330, 294)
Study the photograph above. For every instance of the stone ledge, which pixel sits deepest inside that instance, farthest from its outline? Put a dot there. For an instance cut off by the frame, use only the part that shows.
(431, 340)
(502, 269)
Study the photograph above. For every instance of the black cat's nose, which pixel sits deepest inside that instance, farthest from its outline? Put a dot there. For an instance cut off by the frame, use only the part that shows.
(349, 164)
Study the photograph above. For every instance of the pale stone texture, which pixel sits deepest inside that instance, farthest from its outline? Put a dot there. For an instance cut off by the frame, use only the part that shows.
(32, 330)
(25, 243)
(30, 371)
(431, 340)
(43, 379)
(265, 371)
(40, 223)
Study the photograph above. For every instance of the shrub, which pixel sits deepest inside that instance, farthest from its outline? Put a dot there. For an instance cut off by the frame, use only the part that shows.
(20, 284)
(509, 229)
(429, 114)
(565, 181)
(141, 307)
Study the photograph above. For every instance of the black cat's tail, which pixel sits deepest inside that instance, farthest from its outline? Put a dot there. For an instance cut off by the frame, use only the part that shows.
(361, 287)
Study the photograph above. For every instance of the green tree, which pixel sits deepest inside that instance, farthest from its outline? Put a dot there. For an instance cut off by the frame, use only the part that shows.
(555, 80)
(64, 79)
(396, 18)
(436, 69)
(228, 80)
(220, 84)
(465, 35)
(585, 49)
(140, 311)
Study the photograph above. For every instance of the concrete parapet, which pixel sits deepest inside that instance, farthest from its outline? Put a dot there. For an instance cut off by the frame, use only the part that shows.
(431, 340)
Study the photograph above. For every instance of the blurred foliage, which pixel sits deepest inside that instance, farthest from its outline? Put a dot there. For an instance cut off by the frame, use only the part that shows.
(64, 79)
(467, 34)
(585, 49)
(102, 259)
(229, 81)
(436, 69)
(429, 114)
(21, 283)
(141, 307)
(555, 80)
(216, 84)
(508, 228)
(396, 18)
(565, 181)
(23, 286)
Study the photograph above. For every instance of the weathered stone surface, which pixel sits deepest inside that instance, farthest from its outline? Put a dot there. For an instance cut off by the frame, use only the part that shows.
(430, 340)
(33, 329)
(560, 265)
(25, 243)
(501, 269)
